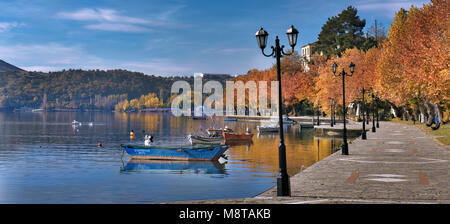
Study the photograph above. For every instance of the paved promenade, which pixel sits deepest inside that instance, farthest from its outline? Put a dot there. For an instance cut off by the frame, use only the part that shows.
(397, 164)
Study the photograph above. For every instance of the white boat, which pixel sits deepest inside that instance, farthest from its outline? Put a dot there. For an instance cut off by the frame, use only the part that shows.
(197, 139)
(287, 120)
(269, 126)
(75, 122)
(217, 132)
(37, 110)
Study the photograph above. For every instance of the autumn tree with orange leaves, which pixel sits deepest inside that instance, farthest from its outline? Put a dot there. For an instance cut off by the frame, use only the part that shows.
(410, 68)
(414, 63)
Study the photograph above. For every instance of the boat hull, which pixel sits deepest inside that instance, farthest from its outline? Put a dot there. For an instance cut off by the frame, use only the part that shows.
(230, 119)
(268, 129)
(233, 136)
(195, 139)
(194, 152)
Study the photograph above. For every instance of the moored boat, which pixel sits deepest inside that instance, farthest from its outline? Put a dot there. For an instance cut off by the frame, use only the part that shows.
(235, 136)
(217, 132)
(187, 152)
(268, 129)
(198, 139)
(199, 118)
(287, 120)
(230, 119)
(306, 126)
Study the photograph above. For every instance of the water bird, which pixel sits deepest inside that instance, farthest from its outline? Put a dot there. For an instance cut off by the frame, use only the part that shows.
(148, 139)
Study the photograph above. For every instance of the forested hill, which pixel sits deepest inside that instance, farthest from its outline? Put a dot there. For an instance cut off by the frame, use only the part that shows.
(80, 89)
(6, 67)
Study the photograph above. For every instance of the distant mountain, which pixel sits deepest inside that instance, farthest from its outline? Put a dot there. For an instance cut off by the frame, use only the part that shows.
(6, 67)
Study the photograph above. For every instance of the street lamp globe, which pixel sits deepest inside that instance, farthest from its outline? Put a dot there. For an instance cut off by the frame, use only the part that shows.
(261, 37)
(292, 34)
(334, 66)
(352, 67)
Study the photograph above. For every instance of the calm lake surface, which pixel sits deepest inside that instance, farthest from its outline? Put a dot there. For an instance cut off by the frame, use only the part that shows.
(44, 159)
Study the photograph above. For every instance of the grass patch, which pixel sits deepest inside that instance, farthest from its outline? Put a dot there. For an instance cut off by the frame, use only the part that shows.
(443, 132)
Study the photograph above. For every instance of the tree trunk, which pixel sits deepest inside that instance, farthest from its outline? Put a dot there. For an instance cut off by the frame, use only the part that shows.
(430, 113)
(421, 116)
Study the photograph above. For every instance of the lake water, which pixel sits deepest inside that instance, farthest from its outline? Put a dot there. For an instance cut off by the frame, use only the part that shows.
(44, 159)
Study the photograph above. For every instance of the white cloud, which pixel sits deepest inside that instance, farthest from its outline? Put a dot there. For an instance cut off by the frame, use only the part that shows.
(160, 66)
(112, 20)
(6, 26)
(227, 51)
(56, 57)
(48, 57)
(100, 15)
(118, 27)
(390, 7)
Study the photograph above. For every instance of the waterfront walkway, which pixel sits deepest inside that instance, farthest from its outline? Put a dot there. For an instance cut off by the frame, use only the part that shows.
(396, 164)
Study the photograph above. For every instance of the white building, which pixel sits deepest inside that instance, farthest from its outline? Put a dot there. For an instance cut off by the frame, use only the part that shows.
(306, 55)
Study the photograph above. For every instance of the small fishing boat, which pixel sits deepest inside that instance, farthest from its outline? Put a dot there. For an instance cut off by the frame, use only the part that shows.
(198, 117)
(306, 126)
(268, 128)
(287, 120)
(235, 136)
(198, 139)
(217, 132)
(187, 152)
(230, 119)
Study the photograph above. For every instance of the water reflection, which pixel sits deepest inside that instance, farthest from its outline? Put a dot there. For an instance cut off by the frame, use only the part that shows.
(44, 159)
(174, 167)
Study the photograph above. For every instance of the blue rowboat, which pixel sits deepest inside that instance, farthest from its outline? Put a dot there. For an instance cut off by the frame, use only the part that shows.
(189, 152)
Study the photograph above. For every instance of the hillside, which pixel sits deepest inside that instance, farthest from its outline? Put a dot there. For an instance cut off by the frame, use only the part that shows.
(6, 67)
(81, 89)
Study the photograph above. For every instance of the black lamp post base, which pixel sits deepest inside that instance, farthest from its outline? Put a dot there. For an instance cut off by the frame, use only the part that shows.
(283, 185)
(364, 135)
(344, 148)
(373, 129)
(378, 125)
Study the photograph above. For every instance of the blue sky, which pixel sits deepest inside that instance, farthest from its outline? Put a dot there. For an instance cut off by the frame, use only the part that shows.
(164, 37)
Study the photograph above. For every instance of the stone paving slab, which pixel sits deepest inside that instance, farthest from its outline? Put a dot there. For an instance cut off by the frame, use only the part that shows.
(397, 164)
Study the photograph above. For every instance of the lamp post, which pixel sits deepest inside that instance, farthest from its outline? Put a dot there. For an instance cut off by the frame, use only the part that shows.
(343, 74)
(363, 135)
(334, 112)
(318, 113)
(376, 108)
(373, 113)
(331, 111)
(283, 185)
(367, 111)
